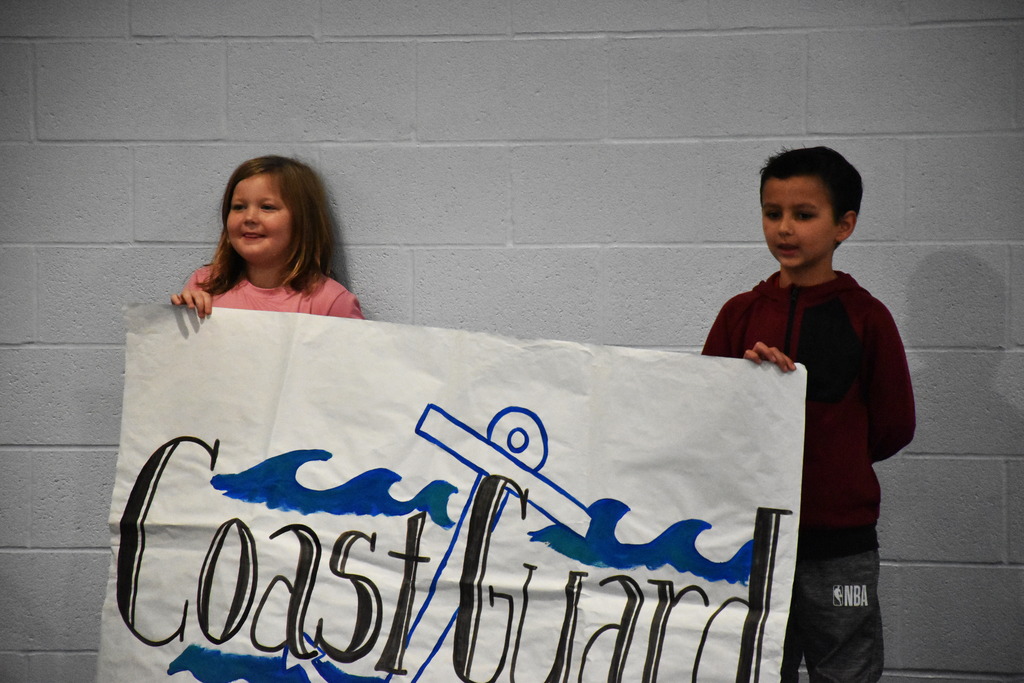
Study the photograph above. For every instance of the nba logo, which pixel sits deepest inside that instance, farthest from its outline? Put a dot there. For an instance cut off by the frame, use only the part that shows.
(850, 596)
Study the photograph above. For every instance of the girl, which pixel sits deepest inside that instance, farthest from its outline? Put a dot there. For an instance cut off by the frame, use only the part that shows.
(276, 246)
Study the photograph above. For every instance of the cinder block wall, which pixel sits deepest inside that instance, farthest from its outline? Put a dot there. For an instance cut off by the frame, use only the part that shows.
(537, 168)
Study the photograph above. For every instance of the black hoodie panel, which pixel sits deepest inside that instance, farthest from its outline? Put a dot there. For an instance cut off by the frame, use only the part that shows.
(831, 350)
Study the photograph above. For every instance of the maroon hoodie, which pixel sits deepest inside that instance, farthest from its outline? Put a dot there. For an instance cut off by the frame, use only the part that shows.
(860, 405)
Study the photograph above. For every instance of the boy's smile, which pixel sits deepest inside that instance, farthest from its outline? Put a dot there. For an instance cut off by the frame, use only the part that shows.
(799, 228)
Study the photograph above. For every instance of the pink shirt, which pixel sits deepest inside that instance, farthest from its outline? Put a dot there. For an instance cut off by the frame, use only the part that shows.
(331, 298)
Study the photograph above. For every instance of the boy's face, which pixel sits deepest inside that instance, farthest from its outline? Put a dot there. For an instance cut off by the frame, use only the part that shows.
(800, 230)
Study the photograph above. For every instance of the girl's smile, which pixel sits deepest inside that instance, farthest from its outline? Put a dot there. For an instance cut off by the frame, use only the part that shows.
(259, 227)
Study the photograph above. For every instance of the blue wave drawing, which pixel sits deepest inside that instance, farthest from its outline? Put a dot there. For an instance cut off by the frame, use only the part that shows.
(676, 546)
(214, 666)
(332, 674)
(272, 482)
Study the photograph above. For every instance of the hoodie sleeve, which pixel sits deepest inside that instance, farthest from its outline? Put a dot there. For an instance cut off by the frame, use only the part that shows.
(890, 396)
(717, 343)
(725, 338)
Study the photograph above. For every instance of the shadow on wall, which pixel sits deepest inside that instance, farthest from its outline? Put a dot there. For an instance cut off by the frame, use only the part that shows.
(957, 303)
(339, 263)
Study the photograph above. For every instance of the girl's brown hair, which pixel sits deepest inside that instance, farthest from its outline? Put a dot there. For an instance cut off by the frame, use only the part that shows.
(312, 238)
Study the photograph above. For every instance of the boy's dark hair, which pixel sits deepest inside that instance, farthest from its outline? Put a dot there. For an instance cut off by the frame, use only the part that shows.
(840, 178)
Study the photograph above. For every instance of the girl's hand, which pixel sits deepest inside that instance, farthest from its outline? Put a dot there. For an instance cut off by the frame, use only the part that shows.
(197, 299)
(762, 352)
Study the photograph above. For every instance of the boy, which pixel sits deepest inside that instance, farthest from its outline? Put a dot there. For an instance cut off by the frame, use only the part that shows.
(860, 406)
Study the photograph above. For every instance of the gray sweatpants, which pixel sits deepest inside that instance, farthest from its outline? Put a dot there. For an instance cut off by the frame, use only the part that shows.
(835, 624)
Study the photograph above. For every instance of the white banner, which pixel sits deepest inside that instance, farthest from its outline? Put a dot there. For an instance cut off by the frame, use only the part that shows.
(302, 498)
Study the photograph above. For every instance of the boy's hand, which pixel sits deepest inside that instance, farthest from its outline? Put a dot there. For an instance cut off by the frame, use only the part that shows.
(196, 299)
(762, 352)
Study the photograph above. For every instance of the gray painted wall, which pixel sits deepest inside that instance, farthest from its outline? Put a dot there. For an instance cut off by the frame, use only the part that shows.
(537, 168)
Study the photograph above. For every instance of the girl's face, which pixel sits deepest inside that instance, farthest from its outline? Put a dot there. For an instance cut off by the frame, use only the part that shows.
(260, 229)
